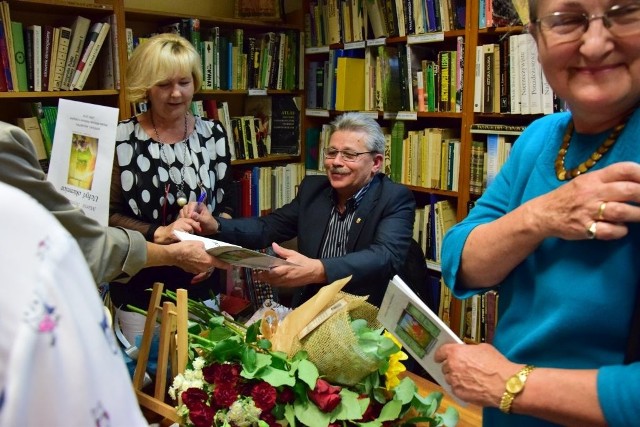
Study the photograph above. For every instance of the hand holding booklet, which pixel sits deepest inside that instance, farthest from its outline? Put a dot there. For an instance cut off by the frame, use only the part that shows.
(234, 254)
(419, 330)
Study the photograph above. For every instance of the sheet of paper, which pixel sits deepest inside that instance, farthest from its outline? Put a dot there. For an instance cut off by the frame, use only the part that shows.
(82, 156)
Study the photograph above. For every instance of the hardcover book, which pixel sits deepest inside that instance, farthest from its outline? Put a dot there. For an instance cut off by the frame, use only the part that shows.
(285, 125)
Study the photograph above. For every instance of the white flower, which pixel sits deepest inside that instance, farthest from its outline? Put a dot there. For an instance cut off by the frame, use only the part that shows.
(198, 364)
(243, 413)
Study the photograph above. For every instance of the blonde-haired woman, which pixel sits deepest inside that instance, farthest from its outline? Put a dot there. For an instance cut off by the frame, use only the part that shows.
(165, 157)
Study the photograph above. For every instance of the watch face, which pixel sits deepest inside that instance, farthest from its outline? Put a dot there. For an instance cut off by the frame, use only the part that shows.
(514, 384)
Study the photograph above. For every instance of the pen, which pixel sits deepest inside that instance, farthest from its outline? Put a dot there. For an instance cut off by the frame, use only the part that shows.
(203, 195)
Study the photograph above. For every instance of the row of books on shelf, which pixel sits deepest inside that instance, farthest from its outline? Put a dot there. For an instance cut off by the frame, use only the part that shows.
(269, 126)
(233, 60)
(40, 123)
(346, 21)
(50, 58)
(262, 189)
(489, 150)
(480, 314)
(502, 13)
(431, 223)
(509, 79)
(411, 77)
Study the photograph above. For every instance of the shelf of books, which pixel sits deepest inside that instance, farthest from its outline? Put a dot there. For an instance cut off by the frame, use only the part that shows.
(439, 77)
(402, 63)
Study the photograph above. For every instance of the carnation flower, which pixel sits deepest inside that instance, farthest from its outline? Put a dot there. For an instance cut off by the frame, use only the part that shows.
(236, 380)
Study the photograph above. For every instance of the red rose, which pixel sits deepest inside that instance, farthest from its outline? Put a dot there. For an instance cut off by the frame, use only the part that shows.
(264, 395)
(221, 373)
(224, 395)
(194, 395)
(201, 415)
(325, 396)
(286, 395)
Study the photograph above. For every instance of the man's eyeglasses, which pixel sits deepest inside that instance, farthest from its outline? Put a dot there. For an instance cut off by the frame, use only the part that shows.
(564, 27)
(347, 155)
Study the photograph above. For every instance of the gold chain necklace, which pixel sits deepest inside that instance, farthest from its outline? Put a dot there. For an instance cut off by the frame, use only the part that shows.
(565, 175)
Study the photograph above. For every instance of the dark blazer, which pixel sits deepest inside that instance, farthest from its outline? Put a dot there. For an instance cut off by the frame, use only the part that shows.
(378, 240)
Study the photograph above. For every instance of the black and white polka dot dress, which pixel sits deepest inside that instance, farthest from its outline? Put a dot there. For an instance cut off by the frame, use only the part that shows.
(147, 166)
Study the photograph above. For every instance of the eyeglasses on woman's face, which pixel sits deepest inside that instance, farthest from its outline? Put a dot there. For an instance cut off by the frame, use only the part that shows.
(565, 27)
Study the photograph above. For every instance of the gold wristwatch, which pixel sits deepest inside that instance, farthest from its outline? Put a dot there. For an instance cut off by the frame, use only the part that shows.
(513, 387)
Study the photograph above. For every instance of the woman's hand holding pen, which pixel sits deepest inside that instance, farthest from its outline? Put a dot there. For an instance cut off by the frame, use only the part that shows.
(199, 213)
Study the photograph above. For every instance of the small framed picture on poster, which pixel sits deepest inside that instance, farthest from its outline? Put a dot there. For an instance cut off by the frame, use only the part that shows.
(263, 10)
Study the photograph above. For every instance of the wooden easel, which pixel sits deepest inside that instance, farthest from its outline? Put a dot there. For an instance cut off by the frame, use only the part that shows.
(173, 348)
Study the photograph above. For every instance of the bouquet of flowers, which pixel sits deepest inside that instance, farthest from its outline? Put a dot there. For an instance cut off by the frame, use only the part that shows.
(236, 377)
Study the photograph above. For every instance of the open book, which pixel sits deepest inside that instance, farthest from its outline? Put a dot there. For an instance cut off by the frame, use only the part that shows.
(234, 254)
(419, 330)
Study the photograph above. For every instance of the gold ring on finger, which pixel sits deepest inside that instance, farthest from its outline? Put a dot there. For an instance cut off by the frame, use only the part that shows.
(601, 209)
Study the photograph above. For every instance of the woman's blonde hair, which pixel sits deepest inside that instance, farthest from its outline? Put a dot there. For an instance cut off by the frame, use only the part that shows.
(160, 58)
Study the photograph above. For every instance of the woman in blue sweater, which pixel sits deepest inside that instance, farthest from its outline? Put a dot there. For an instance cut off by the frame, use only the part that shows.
(558, 231)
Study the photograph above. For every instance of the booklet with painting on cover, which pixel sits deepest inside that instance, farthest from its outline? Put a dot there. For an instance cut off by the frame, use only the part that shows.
(234, 254)
(419, 330)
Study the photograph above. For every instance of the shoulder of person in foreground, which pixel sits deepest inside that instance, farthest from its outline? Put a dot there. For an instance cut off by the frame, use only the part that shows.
(111, 253)
(54, 311)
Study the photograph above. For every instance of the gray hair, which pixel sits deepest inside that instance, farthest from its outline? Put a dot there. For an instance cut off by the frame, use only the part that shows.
(359, 122)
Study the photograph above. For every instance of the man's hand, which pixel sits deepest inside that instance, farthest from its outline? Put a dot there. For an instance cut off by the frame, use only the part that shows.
(305, 271)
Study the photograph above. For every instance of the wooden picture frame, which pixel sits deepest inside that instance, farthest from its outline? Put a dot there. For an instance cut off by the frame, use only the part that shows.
(263, 10)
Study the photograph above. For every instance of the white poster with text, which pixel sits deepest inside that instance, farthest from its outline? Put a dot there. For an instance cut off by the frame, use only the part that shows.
(82, 156)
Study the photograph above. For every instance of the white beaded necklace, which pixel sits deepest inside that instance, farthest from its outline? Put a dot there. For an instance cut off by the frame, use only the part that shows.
(181, 197)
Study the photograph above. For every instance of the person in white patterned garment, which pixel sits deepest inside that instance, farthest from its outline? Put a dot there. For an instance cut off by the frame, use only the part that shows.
(59, 361)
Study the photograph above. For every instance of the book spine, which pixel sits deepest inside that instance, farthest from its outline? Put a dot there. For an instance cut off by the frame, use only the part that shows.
(47, 43)
(37, 57)
(28, 51)
(92, 36)
(7, 84)
(78, 34)
(61, 57)
(104, 31)
(19, 56)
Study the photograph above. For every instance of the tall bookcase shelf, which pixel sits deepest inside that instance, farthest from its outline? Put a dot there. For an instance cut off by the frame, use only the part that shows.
(60, 13)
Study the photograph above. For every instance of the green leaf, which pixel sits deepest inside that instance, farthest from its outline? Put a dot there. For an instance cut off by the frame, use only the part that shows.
(219, 333)
(405, 391)
(264, 344)
(450, 417)
(277, 377)
(310, 415)
(427, 406)
(349, 407)
(252, 332)
(215, 321)
(249, 359)
(289, 415)
(308, 372)
(390, 411)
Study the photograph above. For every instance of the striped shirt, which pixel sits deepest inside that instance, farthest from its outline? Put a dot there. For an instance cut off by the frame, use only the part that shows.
(335, 238)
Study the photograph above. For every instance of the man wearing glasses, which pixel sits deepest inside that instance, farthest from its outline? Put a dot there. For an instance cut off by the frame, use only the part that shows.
(353, 221)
